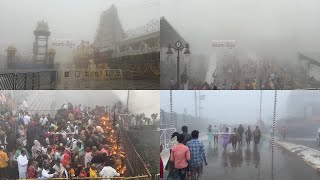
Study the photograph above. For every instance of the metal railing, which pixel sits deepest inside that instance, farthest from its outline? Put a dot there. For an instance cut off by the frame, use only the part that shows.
(49, 79)
(40, 112)
(106, 178)
(101, 178)
(13, 80)
(134, 160)
(165, 137)
(136, 52)
(91, 73)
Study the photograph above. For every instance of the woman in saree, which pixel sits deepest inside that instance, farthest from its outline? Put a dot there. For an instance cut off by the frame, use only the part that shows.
(226, 138)
(210, 134)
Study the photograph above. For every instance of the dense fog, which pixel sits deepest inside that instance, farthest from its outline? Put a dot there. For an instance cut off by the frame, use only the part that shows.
(234, 107)
(277, 27)
(237, 43)
(73, 20)
(147, 102)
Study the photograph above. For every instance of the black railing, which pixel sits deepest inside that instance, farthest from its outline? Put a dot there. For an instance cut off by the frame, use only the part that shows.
(28, 80)
(133, 158)
(51, 79)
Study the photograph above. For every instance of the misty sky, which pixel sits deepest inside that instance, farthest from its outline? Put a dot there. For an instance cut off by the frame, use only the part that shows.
(228, 106)
(68, 19)
(275, 26)
(140, 101)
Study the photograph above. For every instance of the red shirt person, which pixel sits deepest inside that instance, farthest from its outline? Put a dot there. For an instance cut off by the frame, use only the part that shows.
(31, 170)
(180, 155)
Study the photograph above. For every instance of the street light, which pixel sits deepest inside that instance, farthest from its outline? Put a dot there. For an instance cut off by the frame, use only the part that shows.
(178, 46)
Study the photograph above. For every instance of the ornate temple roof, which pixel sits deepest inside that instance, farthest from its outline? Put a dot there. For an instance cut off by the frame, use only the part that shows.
(51, 51)
(11, 48)
(42, 26)
(109, 31)
(42, 29)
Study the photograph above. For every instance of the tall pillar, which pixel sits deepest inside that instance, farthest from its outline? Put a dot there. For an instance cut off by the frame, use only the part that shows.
(40, 46)
(11, 56)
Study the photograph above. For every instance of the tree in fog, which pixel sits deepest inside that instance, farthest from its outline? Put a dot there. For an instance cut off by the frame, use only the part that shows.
(154, 117)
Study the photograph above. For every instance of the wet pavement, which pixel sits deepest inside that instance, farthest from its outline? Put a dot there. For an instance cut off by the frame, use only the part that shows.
(309, 142)
(256, 163)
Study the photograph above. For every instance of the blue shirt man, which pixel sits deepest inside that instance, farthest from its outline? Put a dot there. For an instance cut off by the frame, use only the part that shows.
(197, 155)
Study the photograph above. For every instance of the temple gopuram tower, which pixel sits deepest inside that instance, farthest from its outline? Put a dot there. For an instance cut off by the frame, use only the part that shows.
(110, 31)
(11, 55)
(40, 45)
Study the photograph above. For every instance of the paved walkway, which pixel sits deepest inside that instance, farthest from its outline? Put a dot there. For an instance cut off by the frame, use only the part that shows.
(309, 155)
(290, 161)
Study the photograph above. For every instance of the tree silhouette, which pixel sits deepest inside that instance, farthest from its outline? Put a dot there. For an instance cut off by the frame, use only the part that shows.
(154, 116)
(147, 120)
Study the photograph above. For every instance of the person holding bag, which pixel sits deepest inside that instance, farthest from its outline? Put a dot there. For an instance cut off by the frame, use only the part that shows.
(173, 172)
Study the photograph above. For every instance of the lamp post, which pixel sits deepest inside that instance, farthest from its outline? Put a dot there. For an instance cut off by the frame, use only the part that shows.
(178, 46)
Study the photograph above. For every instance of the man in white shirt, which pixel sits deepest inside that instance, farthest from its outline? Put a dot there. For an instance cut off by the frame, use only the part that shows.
(43, 120)
(26, 119)
(22, 165)
(59, 169)
(108, 172)
(45, 173)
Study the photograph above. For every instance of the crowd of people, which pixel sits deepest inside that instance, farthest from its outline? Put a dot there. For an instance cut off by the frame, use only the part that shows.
(253, 75)
(235, 136)
(187, 152)
(72, 143)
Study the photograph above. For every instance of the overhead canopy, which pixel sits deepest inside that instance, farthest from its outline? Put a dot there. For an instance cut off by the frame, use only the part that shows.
(168, 34)
(139, 38)
(313, 58)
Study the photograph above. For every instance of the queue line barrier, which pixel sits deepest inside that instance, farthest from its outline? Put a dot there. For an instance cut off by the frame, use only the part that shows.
(100, 178)
(91, 73)
(41, 112)
(49, 78)
(105, 178)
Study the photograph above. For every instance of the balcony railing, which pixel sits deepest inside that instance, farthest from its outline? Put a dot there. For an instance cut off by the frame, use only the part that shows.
(27, 80)
(48, 79)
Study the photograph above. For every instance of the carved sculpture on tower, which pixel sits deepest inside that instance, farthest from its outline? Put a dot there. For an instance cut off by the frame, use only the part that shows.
(40, 45)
